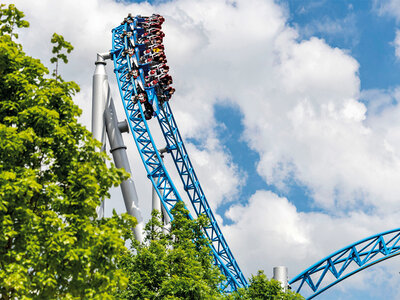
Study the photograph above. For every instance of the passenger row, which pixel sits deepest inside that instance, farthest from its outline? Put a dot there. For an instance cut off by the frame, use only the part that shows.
(151, 59)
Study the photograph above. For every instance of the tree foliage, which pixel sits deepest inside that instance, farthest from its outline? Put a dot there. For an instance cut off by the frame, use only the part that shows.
(11, 17)
(51, 181)
(173, 265)
(260, 288)
(60, 44)
(179, 265)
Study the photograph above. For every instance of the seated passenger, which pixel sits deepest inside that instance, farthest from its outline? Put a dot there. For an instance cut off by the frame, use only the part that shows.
(160, 34)
(160, 71)
(153, 75)
(145, 41)
(153, 72)
(147, 51)
(139, 86)
(154, 23)
(132, 74)
(152, 83)
(148, 112)
(169, 92)
(141, 97)
(152, 30)
(166, 80)
(161, 66)
(164, 68)
(159, 59)
(145, 60)
(157, 47)
(128, 51)
(151, 25)
(155, 41)
(150, 40)
(142, 40)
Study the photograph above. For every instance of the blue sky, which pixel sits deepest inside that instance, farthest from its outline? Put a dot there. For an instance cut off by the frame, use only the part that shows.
(354, 26)
(368, 37)
(359, 29)
(290, 114)
(351, 25)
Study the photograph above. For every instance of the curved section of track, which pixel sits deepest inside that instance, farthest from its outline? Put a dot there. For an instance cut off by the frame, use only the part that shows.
(347, 262)
(194, 191)
(126, 54)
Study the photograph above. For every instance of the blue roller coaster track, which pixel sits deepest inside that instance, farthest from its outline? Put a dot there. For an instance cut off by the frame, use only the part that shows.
(347, 262)
(136, 49)
(131, 69)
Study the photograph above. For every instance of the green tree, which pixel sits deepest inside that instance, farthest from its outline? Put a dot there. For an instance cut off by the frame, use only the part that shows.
(179, 265)
(11, 17)
(51, 181)
(60, 44)
(260, 288)
(176, 265)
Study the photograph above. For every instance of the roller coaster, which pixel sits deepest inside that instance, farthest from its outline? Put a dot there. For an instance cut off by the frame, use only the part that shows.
(141, 70)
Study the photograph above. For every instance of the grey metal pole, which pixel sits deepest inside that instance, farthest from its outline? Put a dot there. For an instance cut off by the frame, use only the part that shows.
(167, 220)
(118, 150)
(100, 94)
(281, 275)
(155, 201)
(156, 205)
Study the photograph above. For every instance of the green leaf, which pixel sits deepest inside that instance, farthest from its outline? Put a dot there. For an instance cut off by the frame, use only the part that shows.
(51, 180)
(60, 44)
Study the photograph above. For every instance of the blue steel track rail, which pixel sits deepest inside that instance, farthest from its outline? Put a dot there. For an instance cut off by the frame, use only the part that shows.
(155, 168)
(347, 262)
(194, 191)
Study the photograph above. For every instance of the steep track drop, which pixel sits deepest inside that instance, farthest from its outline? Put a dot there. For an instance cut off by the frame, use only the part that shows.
(131, 70)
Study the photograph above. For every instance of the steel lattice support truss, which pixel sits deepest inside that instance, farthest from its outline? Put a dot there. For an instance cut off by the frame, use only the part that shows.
(155, 168)
(347, 261)
(193, 188)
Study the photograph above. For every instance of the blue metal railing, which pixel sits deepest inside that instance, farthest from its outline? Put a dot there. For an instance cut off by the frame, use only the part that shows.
(347, 262)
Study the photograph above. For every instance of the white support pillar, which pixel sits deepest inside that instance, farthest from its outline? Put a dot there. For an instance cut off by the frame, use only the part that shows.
(100, 94)
(281, 275)
(104, 119)
(155, 201)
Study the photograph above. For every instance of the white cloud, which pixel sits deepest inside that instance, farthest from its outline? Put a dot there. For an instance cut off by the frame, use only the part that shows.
(214, 165)
(387, 7)
(269, 231)
(302, 113)
(294, 96)
(396, 44)
(299, 99)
